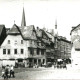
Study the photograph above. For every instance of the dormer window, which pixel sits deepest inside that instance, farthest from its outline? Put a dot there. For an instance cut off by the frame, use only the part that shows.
(8, 41)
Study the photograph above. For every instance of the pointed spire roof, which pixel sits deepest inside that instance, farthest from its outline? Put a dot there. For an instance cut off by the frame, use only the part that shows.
(56, 31)
(23, 23)
(56, 24)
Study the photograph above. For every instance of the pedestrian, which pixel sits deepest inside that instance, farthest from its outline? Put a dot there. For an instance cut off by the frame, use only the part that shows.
(6, 71)
(3, 72)
(12, 71)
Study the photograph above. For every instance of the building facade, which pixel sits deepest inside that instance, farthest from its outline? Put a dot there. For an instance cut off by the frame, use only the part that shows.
(2, 33)
(75, 39)
(23, 46)
(29, 46)
(62, 48)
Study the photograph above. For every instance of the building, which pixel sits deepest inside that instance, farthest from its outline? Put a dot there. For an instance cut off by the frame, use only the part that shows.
(48, 41)
(28, 46)
(75, 40)
(2, 33)
(21, 45)
(63, 48)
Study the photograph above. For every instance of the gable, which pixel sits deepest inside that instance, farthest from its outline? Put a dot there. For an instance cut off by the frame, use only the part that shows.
(13, 40)
(14, 30)
(75, 29)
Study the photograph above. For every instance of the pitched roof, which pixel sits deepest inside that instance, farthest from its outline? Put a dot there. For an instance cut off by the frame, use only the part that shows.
(1, 28)
(74, 28)
(28, 32)
(14, 30)
(50, 36)
(39, 33)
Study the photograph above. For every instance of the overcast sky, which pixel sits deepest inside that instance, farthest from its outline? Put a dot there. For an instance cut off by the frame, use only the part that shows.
(42, 14)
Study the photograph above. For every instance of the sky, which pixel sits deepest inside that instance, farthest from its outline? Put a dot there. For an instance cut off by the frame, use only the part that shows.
(42, 13)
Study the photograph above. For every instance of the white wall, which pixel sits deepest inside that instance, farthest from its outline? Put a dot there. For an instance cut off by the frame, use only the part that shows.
(13, 46)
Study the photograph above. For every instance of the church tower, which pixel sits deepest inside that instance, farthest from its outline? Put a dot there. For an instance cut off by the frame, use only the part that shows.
(23, 23)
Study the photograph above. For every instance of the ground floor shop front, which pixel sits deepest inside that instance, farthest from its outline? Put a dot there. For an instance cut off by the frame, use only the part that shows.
(37, 62)
(29, 62)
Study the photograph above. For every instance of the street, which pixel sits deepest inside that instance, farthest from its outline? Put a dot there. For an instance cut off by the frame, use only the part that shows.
(48, 73)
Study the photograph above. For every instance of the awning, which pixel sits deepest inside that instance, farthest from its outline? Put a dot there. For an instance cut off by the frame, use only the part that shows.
(60, 60)
(19, 58)
(12, 59)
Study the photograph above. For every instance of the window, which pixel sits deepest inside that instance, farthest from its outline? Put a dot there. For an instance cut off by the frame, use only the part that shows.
(43, 61)
(4, 51)
(77, 49)
(15, 42)
(30, 41)
(21, 41)
(8, 51)
(22, 51)
(15, 51)
(8, 41)
(41, 44)
(42, 52)
(38, 51)
(31, 51)
(38, 43)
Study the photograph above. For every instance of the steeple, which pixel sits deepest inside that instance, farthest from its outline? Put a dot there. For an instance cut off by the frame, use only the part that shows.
(55, 24)
(23, 23)
(56, 31)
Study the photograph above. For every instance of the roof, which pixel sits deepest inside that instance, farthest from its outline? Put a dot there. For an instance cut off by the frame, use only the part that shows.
(74, 28)
(50, 36)
(28, 32)
(1, 28)
(14, 30)
(63, 39)
(23, 23)
(39, 32)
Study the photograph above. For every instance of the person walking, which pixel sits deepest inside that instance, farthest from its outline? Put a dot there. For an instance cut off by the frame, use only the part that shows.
(3, 72)
(6, 72)
(12, 71)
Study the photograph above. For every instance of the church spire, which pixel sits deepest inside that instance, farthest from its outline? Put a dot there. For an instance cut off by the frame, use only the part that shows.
(23, 23)
(56, 31)
(55, 24)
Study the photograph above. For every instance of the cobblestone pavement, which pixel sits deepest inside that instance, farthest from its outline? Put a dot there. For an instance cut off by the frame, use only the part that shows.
(48, 74)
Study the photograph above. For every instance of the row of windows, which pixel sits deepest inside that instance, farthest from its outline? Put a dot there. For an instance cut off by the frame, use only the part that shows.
(38, 51)
(31, 42)
(15, 41)
(8, 51)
